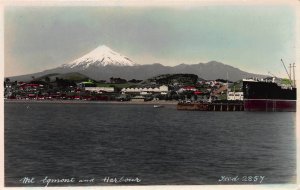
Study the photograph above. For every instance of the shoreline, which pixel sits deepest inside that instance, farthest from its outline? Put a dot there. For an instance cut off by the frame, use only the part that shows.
(159, 102)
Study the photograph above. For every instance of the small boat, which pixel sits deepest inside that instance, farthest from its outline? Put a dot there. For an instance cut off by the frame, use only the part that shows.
(158, 106)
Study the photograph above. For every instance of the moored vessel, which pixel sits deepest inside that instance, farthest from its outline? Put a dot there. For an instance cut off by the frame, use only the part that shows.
(267, 95)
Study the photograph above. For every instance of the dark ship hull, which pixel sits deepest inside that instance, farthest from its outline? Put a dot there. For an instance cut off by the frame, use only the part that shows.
(268, 96)
(270, 105)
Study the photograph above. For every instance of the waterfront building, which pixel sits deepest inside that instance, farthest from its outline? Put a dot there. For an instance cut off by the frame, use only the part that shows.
(138, 99)
(161, 90)
(100, 89)
(235, 96)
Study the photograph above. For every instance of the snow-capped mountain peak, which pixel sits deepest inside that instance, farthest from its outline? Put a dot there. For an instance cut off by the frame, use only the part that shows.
(101, 56)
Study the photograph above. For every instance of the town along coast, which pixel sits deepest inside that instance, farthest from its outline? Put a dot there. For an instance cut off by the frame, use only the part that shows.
(188, 90)
(160, 102)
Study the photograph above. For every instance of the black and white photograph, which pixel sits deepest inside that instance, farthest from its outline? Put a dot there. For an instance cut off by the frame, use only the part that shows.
(170, 93)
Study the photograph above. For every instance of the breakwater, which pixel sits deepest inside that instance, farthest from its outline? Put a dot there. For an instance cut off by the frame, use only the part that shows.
(211, 106)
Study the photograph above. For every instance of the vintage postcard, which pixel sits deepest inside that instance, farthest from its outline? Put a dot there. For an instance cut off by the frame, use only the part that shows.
(130, 94)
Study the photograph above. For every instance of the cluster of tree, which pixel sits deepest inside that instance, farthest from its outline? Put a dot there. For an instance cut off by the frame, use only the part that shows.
(223, 81)
(117, 80)
(286, 81)
(45, 84)
(63, 83)
(102, 81)
(135, 81)
(59, 82)
(167, 79)
(7, 81)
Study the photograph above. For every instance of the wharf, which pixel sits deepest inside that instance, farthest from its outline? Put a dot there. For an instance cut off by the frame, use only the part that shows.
(211, 106)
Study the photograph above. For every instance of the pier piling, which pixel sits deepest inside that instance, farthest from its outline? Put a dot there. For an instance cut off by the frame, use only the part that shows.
(211, 106)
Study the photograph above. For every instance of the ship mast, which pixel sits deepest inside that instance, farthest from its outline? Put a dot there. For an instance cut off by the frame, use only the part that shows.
(287, 72)
(291, 72)
(294, 75)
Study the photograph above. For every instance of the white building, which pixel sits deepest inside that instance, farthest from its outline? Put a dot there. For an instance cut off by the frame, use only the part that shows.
(138, 99)
(99, 89)
(235, 96)
(162, 90)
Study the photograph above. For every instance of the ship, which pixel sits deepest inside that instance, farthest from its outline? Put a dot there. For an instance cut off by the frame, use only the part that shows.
(268, 95)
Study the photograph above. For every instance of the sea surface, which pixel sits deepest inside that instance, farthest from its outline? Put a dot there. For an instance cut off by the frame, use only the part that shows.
(111, 144)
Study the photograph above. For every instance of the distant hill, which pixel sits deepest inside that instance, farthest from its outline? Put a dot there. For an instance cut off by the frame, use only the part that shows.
(103, 63)
(209, 71)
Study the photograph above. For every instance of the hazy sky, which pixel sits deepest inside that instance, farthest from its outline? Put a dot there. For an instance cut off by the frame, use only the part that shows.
(253, 38)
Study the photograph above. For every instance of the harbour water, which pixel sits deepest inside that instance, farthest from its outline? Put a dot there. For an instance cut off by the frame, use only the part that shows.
(97, 142)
